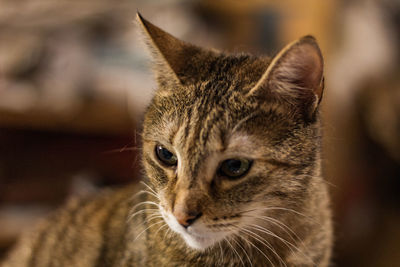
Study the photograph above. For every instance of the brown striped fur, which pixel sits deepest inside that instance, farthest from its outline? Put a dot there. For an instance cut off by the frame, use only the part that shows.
(210, 106)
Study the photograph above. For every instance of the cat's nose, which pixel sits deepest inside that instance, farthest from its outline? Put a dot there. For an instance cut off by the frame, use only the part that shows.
(186, 218)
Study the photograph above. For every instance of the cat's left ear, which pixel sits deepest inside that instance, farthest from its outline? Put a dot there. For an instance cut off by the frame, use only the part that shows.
(295, 76)
(176, 60)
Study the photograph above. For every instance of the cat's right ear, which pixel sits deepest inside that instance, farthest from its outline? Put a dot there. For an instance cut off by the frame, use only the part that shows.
(295, 77)
(172, 56)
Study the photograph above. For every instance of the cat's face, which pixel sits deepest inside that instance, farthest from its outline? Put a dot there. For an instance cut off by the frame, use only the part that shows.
(224, 161)
(220, 154)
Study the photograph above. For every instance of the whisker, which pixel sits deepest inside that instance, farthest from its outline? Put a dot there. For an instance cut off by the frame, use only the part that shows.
(259, 250)
(120, 150)
(283, 209)
(148, 187)
(323, 180)
(244, 251)
(170, 234)
(147, 229)
(263, 230)
(165, 234)
(240, 258)
(222, 253)
(145, 202)
(287, 243)
(131, 216)
(153, 216)
(281, 225)
(139, 204)
(148, 192)
(265, 243)
(161, 227)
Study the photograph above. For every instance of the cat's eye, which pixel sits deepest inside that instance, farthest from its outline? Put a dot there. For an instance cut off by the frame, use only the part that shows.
(166, 156)
(234, 168)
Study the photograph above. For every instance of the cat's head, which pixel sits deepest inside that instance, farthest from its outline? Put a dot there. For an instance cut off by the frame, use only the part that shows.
(230, 138)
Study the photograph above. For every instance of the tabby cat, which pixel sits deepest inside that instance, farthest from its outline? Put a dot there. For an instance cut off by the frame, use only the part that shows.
(232, 157)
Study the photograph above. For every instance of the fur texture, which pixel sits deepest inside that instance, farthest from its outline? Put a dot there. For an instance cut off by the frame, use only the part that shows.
(210, 107)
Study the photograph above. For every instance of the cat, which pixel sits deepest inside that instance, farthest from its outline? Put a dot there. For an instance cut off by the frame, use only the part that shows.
(232, 161)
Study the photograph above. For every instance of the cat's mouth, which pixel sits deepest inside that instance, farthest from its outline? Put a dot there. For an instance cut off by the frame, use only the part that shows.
(197, 236)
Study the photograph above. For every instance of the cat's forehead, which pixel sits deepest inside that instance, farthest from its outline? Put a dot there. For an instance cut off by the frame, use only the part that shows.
(219, 119)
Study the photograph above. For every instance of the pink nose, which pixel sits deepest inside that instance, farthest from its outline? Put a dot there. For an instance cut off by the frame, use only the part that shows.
(186, 219)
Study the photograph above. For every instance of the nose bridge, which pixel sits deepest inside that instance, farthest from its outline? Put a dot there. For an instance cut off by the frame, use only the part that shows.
(186, 196)
(187, 172)
(189, 183)
(193, 147)
(182, 195)
(193, 174)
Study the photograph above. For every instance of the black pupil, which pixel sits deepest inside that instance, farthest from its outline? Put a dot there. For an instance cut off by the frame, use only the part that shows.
(165, 153)
(234, 165)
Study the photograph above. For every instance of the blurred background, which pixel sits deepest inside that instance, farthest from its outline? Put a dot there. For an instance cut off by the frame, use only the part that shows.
(75, 79)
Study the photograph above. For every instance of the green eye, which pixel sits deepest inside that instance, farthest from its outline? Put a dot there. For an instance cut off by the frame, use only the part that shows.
(234, 168)
(166, 156)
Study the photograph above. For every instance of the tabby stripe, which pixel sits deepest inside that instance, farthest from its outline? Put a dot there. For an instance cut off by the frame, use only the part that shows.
(39, 243)
(213, 65)
(121, 251)
(71, 222)
(105, 250)
(84, 219)
(187, 128)
(43, 239)
(204, 103)
(205, 131)
(278, 194)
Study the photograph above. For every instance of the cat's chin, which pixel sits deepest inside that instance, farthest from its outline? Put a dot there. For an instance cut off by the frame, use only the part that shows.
(197, 242)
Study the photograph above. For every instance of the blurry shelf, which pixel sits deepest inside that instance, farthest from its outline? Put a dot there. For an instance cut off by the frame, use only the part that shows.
(100, 118)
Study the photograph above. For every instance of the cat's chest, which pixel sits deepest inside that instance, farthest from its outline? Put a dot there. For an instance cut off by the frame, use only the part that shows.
(162, 254)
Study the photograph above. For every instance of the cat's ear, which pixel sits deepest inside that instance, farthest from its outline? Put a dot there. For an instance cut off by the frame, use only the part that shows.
(295, 76)
(172, 56)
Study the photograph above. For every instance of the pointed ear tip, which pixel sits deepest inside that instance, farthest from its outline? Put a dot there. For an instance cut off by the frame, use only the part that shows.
(139, 18)
(309, 39)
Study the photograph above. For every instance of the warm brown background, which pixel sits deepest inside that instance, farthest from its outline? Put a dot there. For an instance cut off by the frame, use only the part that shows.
(74, 82)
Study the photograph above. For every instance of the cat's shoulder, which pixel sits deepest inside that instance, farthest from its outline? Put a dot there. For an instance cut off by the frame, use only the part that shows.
(86, 222)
